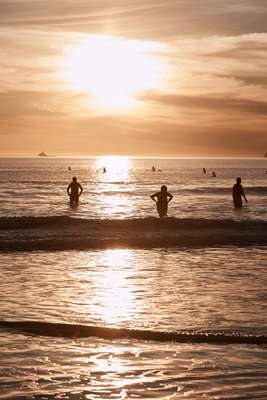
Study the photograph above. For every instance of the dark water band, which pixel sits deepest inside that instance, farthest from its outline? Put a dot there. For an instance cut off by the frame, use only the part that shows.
(65, 233)
(135, 224)
(79, 331)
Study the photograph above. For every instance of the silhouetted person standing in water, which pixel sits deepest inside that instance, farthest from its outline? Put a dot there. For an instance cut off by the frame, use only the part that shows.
(162, 200)
(74, 191)
(238, 193)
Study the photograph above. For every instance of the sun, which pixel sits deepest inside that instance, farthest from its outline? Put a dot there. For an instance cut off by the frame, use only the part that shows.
(113, 71)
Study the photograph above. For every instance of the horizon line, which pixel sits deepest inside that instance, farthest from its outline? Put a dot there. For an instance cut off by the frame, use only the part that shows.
(131, 156)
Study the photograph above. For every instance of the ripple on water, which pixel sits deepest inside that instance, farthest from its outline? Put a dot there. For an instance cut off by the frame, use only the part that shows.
(62, 368)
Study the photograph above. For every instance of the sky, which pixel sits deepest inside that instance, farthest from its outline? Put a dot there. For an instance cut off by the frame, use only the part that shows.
(139, 77)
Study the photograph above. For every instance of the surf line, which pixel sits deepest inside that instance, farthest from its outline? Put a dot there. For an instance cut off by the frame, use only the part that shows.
(81, 331)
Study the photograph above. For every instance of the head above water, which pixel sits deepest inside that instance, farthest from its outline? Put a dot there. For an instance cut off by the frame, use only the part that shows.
(163, 188)
(238, 180)
(74, 179)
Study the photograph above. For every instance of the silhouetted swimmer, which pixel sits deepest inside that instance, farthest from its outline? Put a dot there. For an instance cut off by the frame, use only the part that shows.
(162, 200)
(238, 193)
(213, 174)
(74, 191)
(153, 168)
(104, 170)
(69, 168)
(204, 170)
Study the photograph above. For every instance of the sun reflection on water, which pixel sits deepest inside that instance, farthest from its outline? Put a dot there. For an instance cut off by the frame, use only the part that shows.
(114, 168)
(113, 175)
(116, 295)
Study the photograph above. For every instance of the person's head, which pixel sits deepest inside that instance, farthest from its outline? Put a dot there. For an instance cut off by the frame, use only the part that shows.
(163, 188)
(74, 179)
(238, 180)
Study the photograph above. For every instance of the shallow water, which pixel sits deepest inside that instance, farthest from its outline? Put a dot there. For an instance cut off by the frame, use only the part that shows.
(162, 290)
(158, 276)
(37, 186)
(55, 368)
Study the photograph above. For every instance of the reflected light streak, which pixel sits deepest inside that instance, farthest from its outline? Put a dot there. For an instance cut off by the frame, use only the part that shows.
(116, 295)
(116, 167)
(113, 174)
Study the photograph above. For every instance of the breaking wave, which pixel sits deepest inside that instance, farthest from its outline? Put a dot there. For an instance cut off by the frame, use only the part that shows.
(66, 233)
(253, 190)
(31, 222)
(183, 336)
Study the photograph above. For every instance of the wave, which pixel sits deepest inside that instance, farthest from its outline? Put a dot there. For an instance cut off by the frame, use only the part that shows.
(66, 233)
(28, 222)
(253, 190)
(179, 188)
(183, 336)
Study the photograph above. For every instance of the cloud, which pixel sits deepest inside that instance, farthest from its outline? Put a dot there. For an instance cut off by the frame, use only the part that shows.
(22, 104)
(248, 80)
(138, 18)
(210, 103)
(18, 104)
(215, 81)
(242, 50)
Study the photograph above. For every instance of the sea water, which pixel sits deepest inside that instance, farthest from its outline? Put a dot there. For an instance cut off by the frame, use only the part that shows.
(37, 186)
(218, 289)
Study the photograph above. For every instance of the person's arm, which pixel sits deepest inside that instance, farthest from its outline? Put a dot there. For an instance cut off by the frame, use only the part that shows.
(243, 194)
(81, 189)
(169, 197)
(154, 197)
(68, 189)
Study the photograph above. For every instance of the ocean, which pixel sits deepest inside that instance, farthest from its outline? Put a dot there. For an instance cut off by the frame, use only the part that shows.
(110, 301)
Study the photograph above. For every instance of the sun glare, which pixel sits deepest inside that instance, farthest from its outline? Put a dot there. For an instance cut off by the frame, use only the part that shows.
(113, 71)
(114, 168)
(117, 294)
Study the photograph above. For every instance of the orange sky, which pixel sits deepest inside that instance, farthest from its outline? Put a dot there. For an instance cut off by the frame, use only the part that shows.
(174, 78)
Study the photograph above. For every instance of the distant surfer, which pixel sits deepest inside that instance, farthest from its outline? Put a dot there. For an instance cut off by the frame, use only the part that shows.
(162, 200)
(204, 170)
(104, 170)
(74, 191)
(238, 193)
(213, 174)
(153, 169)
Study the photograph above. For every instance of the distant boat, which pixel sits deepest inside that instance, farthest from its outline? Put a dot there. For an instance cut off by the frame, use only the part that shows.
(42, 154)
